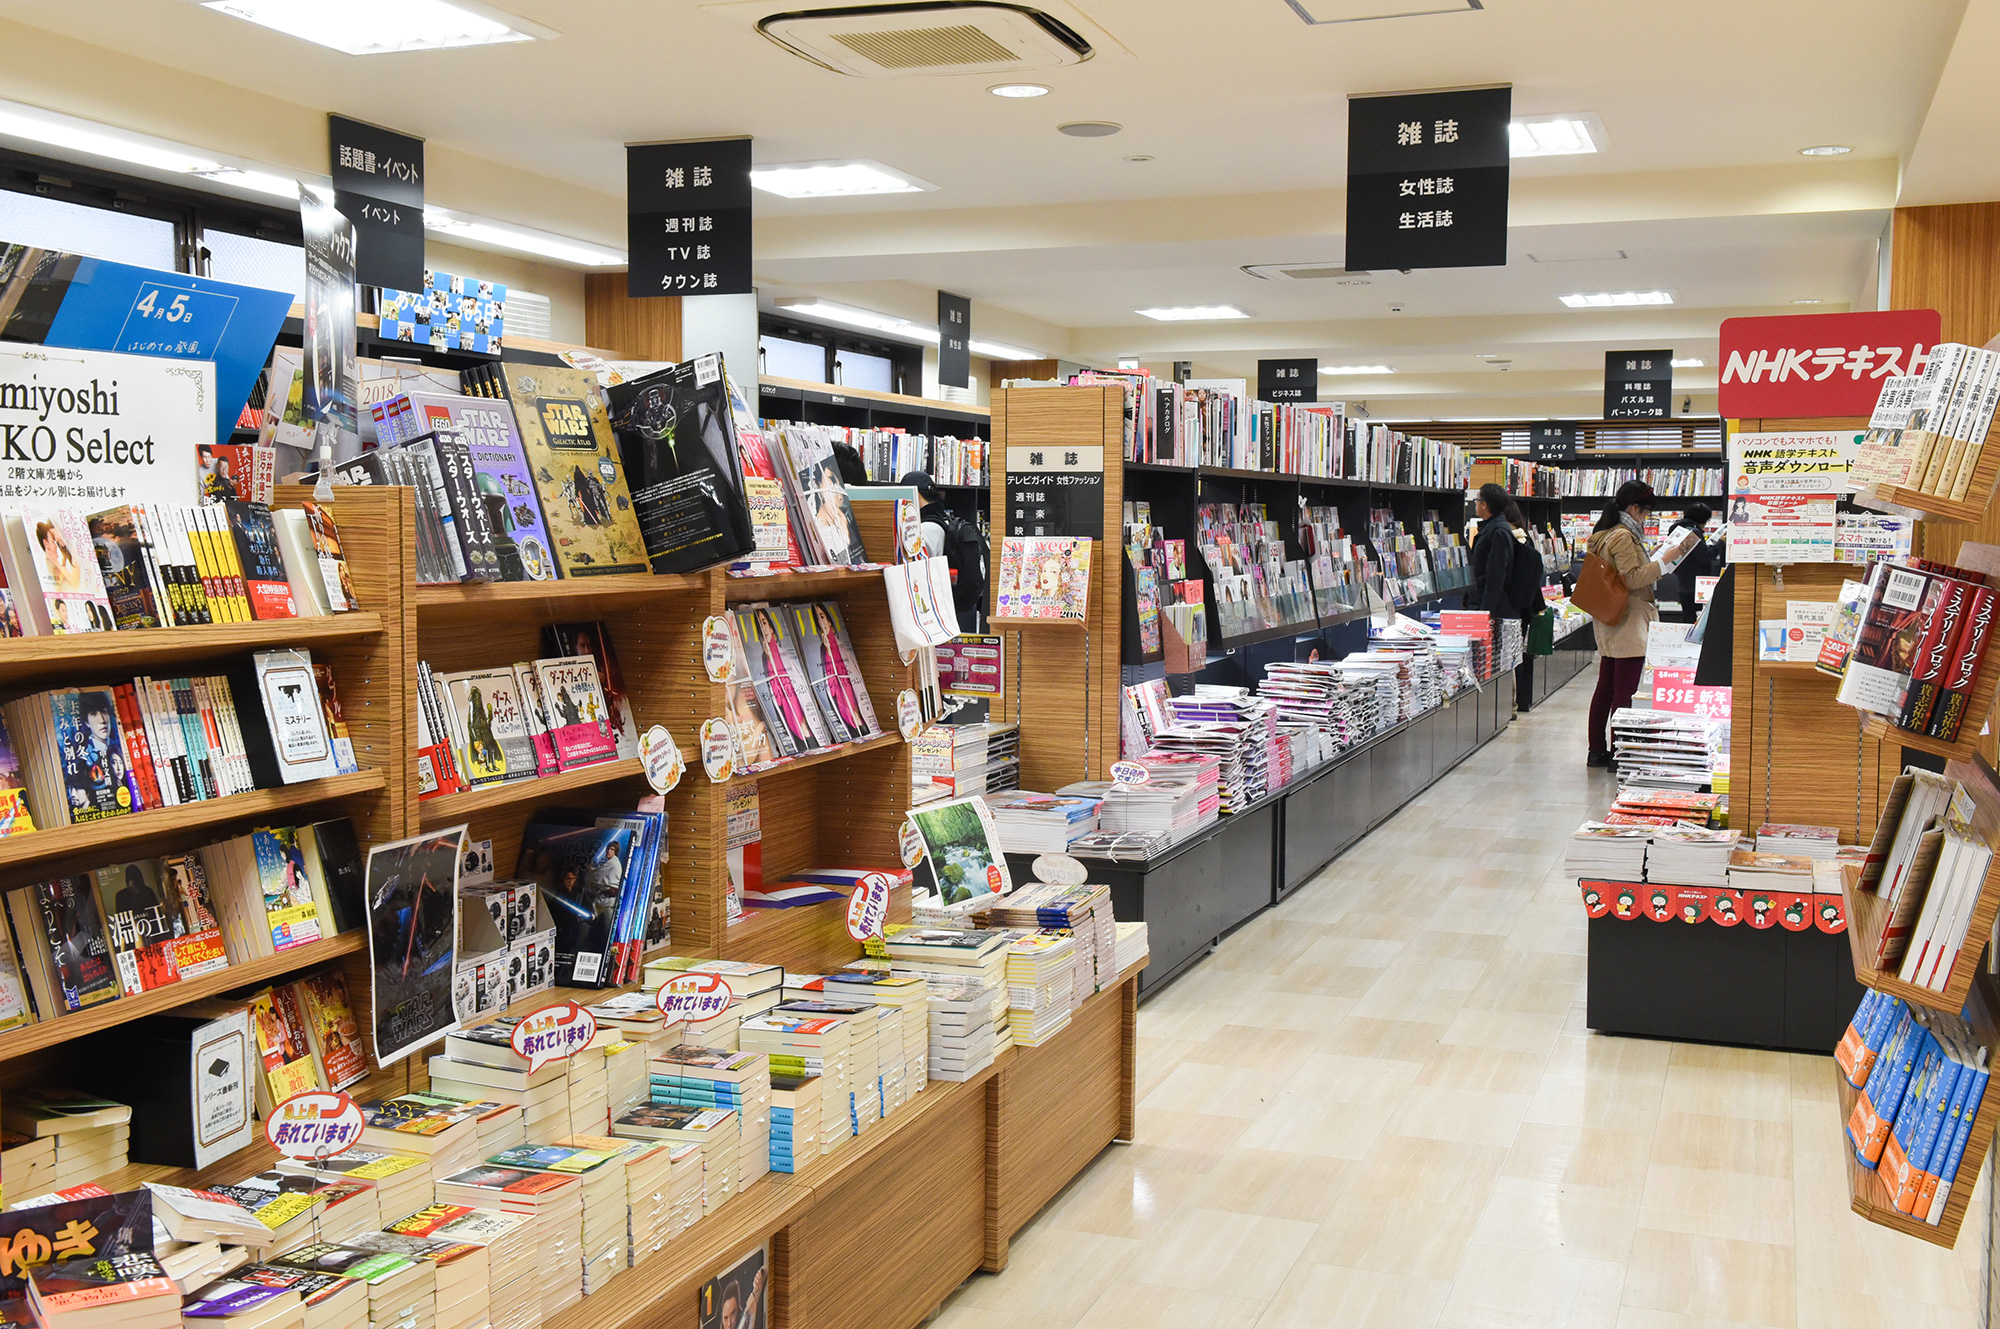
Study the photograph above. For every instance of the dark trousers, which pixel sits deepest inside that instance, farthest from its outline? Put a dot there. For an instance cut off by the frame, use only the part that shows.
(1616, 680)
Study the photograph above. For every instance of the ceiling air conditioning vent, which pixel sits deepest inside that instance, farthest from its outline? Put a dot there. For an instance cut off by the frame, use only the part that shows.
(940, 37)
(1302, 271)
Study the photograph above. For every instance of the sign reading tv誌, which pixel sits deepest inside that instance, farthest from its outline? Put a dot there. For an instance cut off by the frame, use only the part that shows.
(94, 429)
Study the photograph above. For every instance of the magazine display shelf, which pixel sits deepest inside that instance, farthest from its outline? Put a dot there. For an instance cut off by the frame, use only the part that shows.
(1867, 913)
(1866, 1193)
(152, 650)
(450, 809)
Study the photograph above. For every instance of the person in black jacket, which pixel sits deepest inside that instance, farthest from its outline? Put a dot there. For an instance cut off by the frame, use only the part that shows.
(1492, 553)
(1704, 560)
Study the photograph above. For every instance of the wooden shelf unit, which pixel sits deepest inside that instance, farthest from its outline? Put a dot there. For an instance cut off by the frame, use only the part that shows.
(450, 809)
(60, 659)
(1925, 506)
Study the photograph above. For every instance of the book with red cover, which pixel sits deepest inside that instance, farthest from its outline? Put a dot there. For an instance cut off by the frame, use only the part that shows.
(1945, 603)
(1956, 693)
(1885, 647)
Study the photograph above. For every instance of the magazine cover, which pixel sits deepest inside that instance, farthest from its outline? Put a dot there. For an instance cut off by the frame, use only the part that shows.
(757, 745)
(829, 658)
(140, 923)
(14, 815)
(677, 436)
(500, 477)
(77, 945)
(781, 680)
(573, 461)
(488, 710)
(735, 1298)
(288, 894)
(579, 719)
(66, 562)
(1044, 576)
(92, 754)
(820, 510)
(122, 562)
(412, 941)
(581, 872)
(593, 640)
(960, 845)
(10, 609)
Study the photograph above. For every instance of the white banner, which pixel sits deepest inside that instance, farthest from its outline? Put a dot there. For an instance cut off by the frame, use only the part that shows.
(91, 430)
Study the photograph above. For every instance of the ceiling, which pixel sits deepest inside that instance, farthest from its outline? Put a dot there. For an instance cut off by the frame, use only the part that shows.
(1240, 105)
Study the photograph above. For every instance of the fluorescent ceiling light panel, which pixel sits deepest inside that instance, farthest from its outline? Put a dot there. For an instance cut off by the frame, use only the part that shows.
(1192, 313)
(837, 179)
(1556, 135)
(1356, 369)
(1019, 90)
(95, 140)
(1616, 299)
(377, 27)
(1688, 364)
(521, 239)
(1000, 350)
(834, 312)
(1826, 150)
(259, 182)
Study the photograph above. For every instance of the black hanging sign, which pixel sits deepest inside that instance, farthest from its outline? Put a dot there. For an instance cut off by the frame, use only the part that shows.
(1427, 179)
(688, 217)
(1552, 442)
(954, 340)
(1638, 385)
(1288, 380)
(1055, 490)
(378, 185)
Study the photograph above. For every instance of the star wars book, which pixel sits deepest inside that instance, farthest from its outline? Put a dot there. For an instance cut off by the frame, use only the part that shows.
(573, 462)
(581, 872)
(677, 435)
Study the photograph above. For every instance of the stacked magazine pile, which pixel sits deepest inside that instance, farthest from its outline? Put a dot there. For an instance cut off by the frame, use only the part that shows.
(1666, 749)
(1600, 852)
(1031, 823)
(1788, 838)
(1685, 856)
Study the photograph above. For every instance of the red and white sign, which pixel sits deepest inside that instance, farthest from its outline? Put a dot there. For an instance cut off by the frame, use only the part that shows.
(1797, 366)
(696, 998)
(1675, 690)
(314, 1125)
(868, 906)
(553, 1033)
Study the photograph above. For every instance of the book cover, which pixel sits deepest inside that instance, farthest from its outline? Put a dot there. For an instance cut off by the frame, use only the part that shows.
(1963, 671)
(266, 584)
(91, 753)
(782, 687)
(65, 562)
(288, 692)
(99, 1250)
(334, 573)
(412, 896)
(284, 1057)
(336, 722)
(332, 1029)
(198, 947)
(333, 860)
(128, 582)
(581, 872)
(594, 640)
(1044, 577)
(573, 461)
(140, 925)
(579, 719)
(473, 528)
(488, 712)
(822, 516)
(500, 476)
(1879, 667)
(81, 953)
(535, 712)
(15, 817)
(677, 437)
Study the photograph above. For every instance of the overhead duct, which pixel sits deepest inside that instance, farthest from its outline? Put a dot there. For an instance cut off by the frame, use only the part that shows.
(928, 37)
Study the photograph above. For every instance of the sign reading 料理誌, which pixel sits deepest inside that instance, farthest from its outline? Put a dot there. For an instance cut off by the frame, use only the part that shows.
(93, 429)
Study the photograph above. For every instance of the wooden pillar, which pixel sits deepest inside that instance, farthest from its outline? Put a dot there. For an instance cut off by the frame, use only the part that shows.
(636, 329)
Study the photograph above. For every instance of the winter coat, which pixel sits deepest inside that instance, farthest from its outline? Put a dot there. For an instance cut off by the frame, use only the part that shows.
(1622, 550)
(1493, 556)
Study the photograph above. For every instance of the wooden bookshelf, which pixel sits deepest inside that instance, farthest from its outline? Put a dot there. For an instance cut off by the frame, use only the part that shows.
(448, 809)
(799, 585)
(578, 597)
(48, 1033)
(1927, 506)
(1791, 669)
(1870, 1198)
(149, 650)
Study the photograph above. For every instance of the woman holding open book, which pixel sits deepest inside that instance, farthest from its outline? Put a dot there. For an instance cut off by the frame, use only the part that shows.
(1619, 539)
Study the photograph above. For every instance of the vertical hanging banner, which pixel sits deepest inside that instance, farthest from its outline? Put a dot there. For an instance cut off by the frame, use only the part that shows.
(378, 185)
(687, 219)
(1638, 385)
(332, 378)
(1552, 442)
(954, 340)
(1288, 380)
(1427, 176)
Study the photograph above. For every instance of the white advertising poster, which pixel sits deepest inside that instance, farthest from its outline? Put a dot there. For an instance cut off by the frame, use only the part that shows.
(90, 430)
(1781, 528)
(1793, 463)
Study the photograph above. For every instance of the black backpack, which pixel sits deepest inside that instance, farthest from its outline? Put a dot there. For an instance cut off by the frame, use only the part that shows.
(966, 553)
(1524, 580)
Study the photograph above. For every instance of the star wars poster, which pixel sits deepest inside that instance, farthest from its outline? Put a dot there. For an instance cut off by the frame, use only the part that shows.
(412, 941)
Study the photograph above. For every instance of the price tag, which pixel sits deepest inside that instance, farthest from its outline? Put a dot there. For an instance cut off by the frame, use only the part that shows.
(909, 715)
(662, 759)
(718, 648)
(868, 907)
(1129, 772)
(314, 1125)
(694, 998)
(553, 1033)
(718, 750)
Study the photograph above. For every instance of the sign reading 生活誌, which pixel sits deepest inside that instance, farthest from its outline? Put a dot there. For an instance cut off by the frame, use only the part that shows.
(1427, 176)
(93, 429)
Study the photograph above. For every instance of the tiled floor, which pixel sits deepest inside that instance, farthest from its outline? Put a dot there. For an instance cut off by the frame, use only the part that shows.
(1378, 1105)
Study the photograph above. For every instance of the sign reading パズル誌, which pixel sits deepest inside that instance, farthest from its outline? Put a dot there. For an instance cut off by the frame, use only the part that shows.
(94, 429)
(1427, 176)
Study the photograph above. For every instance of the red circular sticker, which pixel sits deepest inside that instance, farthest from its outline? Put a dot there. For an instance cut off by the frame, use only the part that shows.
(694, 997)
(314, 1125)
(1725, 908)
(993, 878)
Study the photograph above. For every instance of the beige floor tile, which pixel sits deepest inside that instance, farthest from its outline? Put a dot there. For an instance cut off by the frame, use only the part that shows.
(1444, 1171)
(1326, 978)
(958, 1314)
(1825, 1308)
(1598, 1102)
(1718, 1204)
(1391, 1235)
(1138, 1305)
(1399, 1040)
(1578, 1156)
(1156, 1059)
(1317, 1295)
(1302, 1012)
(1268, 1184)
(1252, 1048)
(1212, 1250)
(1511, 1031)
(1052, 1274)
(1699, 1275)
(1323, 1130)
(1714, 1091)
(1472, 1116)
(1380, 927)
(1491, 1070)
(1342, 947)
(1220, 1091)
(1725, 1144)
(1441, 943)
(1498, 1288)
(1114, 1199)
(1180, 1141)
(1430, 1006)
(1554, 1218)
(1334, 1077)
(1595, 1054)
(1844, 1252)
(1639, 1317)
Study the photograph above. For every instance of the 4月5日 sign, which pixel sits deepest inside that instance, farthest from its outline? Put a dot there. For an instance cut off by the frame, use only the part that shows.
(1427, 178)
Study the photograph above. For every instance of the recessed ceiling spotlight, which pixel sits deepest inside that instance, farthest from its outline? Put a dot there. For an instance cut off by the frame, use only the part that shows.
(1808, 302)
(1018, 90)
(1191, 313)
(1616, 299)
(1140, 157)
(1826, 150)
(1089, 129)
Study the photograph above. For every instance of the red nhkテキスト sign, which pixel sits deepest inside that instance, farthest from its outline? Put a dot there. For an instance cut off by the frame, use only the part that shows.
(1800, 366)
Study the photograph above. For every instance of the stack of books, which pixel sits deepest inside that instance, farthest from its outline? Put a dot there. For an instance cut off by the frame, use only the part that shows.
(552, 1202)
(401, 1291)
(626, 1077)
(707, 1077)
(443, 1130)
(902, 993)
(1041, 982)
(1131, 946)
(1807, 841)
(1665, 749)
(511, 1294)
(713, 1130)
(1084, 911)
(636, 1015)
(1684, 856)
(1921, 1077)
(810, 1045)
(864, 1055)
(461, 1290)
(1752, 871)
(402, 1182)
(600, 1177)
(960, 760)
(87, 1136)
(481, 1063)
(1031, 823)
(96, 1267)
(961, 1029)
(795, 1121)
(647, 1168)
(1180, 797)
(1601, 852)
(589, 1088)
(27, 1163)
(687, 1186)
(1644, 806)
(328, 1301)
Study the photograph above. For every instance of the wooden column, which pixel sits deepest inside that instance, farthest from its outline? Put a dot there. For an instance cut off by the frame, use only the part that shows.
(639, 329)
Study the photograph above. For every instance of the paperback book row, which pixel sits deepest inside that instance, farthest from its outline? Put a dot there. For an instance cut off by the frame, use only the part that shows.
(73, 755)
(1523, 479)
(1667, 481)
(1928, 431)
(1929, 862)
(80, 941)
(157, 565)
(1910, 643)
(795, 684)
(562, 712)
(1920, 1079)
(887, 455)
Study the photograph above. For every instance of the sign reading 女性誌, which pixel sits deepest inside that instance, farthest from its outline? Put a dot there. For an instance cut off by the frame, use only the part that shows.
(1427, 177)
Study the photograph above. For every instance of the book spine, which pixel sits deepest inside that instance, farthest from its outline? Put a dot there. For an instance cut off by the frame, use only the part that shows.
(1978, 1078)
(1944, 623)
(1875, 1107)
(138, 749)
(1963, 673)
(167, 737)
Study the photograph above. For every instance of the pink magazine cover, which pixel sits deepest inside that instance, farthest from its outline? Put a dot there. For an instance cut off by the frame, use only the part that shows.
(66, 562)
(579, 720)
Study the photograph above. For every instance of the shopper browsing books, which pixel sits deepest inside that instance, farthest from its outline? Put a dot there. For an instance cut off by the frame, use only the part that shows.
(1493, 554)
(1703, 558)
(1619, 538)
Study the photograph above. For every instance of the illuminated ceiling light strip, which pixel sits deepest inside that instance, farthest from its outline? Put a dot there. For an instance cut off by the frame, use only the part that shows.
(1616, 299)
(834, 312)
(1191, 313)
(521, 239)
(1356, 369)
(999, 350)
(87, 136)
(380, 27)
(834, 179)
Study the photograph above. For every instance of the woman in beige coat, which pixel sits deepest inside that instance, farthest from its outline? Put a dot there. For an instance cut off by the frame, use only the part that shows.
(1619, 539)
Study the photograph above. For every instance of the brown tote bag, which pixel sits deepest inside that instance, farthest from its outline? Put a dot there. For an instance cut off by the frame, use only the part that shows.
(1601, 593)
